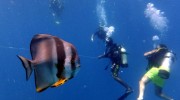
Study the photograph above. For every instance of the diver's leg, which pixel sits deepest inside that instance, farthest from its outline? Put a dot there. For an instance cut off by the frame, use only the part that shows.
(142, 84)
(158, 91)
(128, 88)
(115, 70)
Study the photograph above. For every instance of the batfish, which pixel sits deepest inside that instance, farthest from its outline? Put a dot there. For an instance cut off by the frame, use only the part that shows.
(54, 61)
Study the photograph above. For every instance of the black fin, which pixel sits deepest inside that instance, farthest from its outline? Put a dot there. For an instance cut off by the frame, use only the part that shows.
(124, 96)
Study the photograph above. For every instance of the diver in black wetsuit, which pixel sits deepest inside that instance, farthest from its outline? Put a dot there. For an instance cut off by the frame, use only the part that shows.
(118, 56)
(116, 53)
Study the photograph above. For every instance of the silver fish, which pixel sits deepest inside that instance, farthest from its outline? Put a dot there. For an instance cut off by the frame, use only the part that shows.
(54, 61)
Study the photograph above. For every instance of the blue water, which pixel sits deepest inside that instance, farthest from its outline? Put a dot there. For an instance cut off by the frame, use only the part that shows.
(21, 19)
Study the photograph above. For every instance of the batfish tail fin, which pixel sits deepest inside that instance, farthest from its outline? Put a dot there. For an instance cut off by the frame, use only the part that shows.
(27, 65)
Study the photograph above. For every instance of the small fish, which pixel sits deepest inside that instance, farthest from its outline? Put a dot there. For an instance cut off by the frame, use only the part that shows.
(54, 61)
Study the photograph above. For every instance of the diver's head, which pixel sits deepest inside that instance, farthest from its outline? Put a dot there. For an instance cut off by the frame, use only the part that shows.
(162, 46)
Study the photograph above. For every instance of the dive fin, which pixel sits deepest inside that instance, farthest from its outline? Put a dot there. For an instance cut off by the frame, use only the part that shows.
(124, 96)
(27, 65)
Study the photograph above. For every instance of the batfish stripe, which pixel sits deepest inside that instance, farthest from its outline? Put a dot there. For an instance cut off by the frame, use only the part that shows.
(73, 52)
(73, 62)
(60, 56)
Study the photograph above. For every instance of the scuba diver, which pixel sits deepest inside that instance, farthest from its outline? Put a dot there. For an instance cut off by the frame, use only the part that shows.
(116, 53)
(118, 56)
(158, 69)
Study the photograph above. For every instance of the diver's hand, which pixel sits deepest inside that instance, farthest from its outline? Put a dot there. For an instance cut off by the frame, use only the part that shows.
(101, 56)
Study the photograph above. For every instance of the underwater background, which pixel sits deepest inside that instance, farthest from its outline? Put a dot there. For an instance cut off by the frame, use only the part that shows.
(20, 20)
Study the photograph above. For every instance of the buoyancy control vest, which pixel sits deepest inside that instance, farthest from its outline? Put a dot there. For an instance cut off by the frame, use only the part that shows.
(155, 59)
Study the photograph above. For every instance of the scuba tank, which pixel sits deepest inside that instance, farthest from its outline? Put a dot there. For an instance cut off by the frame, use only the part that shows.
(164, 69)
(123, 55)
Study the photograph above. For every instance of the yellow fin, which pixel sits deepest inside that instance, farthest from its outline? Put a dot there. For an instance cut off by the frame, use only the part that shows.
(39, 89)
(60, 82)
